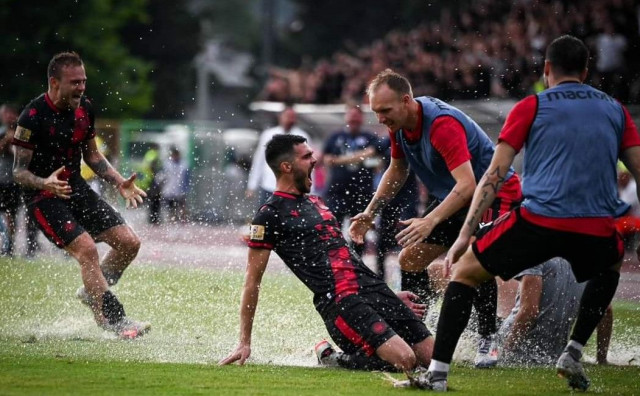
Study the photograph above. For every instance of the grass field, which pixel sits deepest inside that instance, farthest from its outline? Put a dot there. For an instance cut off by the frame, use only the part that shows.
(50, 345)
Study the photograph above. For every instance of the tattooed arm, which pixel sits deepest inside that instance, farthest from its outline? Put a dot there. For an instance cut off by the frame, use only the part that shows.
(392, 181)
(23, 176)
(99, 164)
(483, 197)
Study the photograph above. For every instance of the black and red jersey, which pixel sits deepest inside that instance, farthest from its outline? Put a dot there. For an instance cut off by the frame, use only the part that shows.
(56, 137)
(307, 237)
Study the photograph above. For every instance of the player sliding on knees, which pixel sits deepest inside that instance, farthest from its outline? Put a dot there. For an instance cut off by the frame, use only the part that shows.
(362, 315)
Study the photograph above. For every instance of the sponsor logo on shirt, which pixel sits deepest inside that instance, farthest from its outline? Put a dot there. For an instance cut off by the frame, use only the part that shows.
(257, 232)
(23, 134)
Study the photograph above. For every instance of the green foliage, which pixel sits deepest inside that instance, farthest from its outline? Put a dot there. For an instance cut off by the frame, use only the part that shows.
(169, 39)
(32, 33)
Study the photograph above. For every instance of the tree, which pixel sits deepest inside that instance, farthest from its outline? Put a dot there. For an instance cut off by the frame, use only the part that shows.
(32, 33)
(170, 40)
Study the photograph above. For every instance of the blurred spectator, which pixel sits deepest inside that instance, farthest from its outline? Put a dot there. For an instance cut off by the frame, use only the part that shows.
(403, 206)
(9, 190)
(174, 182)
(611, 46)
(235, 182)
(149, 182)
(261, 178)
(350, 156)
(489, 48)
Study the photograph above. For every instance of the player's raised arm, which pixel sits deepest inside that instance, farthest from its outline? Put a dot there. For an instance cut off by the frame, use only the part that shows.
(98, 163)
(256, 265)
(485, 193)
(392, 181)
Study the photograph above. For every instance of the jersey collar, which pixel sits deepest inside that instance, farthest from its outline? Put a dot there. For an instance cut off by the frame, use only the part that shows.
(50, 103)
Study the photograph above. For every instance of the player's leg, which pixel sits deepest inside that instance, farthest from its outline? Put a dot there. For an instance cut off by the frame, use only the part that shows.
(56, 221)
(457, 304)
(397, 352)
(357, 327)
(587, 258)
(414, 262)
(83, 250)
(105, 224)
(486, 301)
(97, 217)
(505, 248)
(125, 245)
(486, 305)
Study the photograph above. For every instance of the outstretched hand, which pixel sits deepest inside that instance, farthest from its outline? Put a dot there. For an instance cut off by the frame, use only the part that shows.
(360, 224)
(131, 193)
(240, 354)
(60, 188)
(408, 299)
(418, 228)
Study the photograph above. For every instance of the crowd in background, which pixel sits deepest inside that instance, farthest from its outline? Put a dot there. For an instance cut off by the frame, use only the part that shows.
(490, 49)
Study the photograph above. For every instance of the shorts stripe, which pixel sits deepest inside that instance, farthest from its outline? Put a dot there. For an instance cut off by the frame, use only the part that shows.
(353, 336)
(343, 273)
(501, 225)
(505, 206)
(46, 227)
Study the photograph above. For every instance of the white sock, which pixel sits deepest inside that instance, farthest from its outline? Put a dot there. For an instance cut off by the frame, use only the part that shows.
(575, 345)
(438, 366)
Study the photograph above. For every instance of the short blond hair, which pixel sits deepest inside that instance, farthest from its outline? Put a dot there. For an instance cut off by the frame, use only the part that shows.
(395, 81)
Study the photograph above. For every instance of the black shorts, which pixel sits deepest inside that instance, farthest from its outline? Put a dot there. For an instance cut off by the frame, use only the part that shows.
(363, 322)
(10, 197)
(512, 244)
(62, 220)
(446, 233)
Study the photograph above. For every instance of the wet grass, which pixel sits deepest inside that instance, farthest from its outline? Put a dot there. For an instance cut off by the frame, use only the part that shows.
(49, 344)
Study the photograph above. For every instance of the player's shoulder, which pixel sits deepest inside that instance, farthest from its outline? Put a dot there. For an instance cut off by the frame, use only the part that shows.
(33, 113)
(269, 208)
(38, 103)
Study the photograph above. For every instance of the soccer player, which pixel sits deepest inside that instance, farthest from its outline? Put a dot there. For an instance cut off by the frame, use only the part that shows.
(261, 179)
(362, 315)
(55, 131)
(449, 152)
(546, 303)
(574, 135)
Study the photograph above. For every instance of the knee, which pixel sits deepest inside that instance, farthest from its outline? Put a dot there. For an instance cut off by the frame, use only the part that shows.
(410, 259)
(469, 271)
(130, 244)
(407, 360)
(399, 355)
